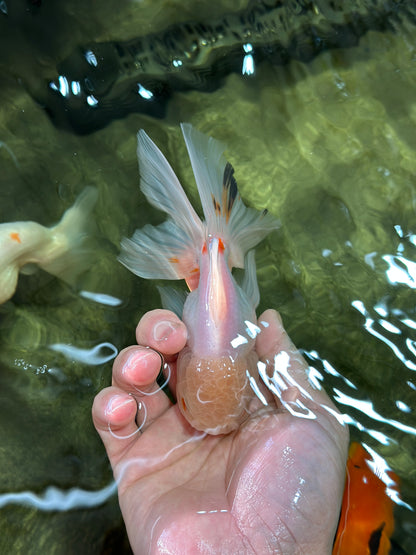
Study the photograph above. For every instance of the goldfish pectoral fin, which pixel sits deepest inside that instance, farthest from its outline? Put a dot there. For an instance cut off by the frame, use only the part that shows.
(249, 283)
(163, 189)
(162, 252)
(172, 299)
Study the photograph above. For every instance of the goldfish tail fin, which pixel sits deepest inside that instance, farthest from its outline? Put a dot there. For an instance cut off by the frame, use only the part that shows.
(67, 255)
(8, 282)
(168, 251)
(225, 213)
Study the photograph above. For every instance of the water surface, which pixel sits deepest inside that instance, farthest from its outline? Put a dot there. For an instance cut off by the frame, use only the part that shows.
(327, 145)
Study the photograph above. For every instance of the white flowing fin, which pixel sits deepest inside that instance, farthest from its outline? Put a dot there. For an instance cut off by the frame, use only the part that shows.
(162, 188)
(208, 164)
(170, 250)
(240, 227)
(162, 252)
(68, 254)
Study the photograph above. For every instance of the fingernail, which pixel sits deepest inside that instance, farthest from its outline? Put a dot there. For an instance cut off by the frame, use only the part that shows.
(142, 358)
(164, 329)
(115, 403)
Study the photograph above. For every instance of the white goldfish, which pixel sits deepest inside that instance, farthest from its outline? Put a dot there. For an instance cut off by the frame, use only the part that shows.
(58, 250)
(213, 389)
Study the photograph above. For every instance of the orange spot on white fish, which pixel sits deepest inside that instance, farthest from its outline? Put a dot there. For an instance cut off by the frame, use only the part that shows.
(174, 259)
(14, 236)
(192, 281)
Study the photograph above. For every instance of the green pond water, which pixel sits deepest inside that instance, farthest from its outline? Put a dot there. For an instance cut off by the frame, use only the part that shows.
(328, 146)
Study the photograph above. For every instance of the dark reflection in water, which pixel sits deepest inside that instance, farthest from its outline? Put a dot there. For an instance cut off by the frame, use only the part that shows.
(102, 81)
(326, 142)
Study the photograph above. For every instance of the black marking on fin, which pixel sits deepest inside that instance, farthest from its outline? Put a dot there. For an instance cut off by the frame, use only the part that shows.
(230, 185)
(375, 538)
(217, 206)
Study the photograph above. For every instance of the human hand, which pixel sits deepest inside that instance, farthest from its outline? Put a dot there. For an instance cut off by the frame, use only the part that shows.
(273, 486)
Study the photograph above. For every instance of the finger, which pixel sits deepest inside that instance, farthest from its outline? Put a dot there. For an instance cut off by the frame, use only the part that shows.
(135, 371)
(275, 347)
(163, 331)
(114, 416)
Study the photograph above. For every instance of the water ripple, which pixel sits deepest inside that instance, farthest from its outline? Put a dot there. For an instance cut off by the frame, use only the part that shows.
(55, 499)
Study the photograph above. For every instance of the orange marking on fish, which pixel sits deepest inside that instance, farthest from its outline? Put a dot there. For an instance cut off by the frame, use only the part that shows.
(14, 236)
(367, 521)
(221, 246)
(192, 281)
(184, 404)
(204, 248)
(174, 259)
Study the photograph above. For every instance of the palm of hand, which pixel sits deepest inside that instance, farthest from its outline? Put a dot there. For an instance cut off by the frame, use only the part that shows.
(273, 486)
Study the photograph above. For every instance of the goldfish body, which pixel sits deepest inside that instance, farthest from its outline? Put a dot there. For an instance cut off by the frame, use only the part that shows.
(366, 522)
(213, 370)
(57, 250)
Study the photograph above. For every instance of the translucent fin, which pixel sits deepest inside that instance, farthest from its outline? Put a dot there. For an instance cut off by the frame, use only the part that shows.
(208, 164)
(162, 252)
(242, 228)
(66, 255)
(249, 283)
(162, 188)
(249, 227)
(170, 250)
(173, 299)
(8, 282)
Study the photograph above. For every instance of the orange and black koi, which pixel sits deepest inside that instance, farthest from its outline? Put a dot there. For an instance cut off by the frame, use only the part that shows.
(367, 521)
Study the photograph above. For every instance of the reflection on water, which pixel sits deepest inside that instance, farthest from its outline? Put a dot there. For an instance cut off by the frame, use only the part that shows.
(57, 500)
(92, 356)
(327, 146)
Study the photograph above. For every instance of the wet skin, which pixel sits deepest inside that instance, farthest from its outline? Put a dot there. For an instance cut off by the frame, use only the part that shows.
(273, 486)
